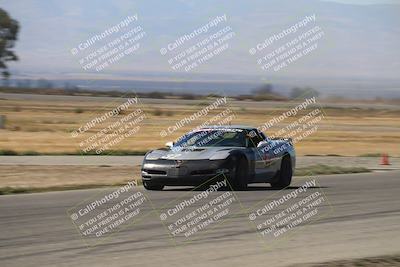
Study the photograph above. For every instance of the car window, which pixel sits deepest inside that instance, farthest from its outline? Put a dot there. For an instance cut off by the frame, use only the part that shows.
(254, 138)
(225, 137)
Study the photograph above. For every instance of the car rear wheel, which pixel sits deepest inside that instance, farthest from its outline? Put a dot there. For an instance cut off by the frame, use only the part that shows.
(150, 186)
(285, 174)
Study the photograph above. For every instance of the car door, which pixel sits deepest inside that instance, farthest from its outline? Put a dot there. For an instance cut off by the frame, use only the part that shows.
(263, 157)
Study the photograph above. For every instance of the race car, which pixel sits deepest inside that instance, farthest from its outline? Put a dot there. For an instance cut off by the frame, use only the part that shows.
(239, 154)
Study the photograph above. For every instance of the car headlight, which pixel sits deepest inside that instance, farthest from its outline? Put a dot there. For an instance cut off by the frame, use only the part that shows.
(153, 155)
(219, 155)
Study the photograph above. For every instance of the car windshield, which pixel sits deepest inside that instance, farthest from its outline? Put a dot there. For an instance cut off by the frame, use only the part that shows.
(213, 137)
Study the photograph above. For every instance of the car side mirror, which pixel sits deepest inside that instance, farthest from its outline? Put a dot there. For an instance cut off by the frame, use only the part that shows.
(169, 144)
(262, 143)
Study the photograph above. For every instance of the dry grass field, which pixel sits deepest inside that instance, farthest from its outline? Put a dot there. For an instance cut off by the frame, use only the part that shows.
(43, 124)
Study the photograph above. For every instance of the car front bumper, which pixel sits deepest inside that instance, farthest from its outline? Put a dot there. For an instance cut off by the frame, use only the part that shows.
(189, 172)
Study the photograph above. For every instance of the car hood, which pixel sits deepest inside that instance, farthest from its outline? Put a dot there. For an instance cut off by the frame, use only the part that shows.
(191, 153)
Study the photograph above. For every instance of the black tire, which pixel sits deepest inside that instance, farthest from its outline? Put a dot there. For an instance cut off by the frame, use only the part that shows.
(151, 186)
(238, 174)
(285, 174)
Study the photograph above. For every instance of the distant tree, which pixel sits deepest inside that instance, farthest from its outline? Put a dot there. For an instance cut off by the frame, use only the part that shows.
(155, 94)
(212, 95)
(265, 89)
(264, 92)
(244, 97)
(189, 96)
(336, 98)
(8, 35)
(298, 92)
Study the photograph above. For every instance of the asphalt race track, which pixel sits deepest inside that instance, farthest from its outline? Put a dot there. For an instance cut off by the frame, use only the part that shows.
(361, 218)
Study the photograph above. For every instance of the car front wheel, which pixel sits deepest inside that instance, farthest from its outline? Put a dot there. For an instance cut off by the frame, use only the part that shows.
(238, 174)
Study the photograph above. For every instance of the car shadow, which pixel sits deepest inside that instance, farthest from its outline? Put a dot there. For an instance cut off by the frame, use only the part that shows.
(250, 188)
(269, 188)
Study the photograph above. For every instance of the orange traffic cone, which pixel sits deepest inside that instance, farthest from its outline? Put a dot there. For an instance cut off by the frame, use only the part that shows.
(385, 159)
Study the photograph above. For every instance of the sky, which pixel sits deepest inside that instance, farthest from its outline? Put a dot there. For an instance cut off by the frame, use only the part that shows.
(361, 37)
(365, 2)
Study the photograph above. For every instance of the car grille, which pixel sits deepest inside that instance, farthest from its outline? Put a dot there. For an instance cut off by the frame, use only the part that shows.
(155, 172)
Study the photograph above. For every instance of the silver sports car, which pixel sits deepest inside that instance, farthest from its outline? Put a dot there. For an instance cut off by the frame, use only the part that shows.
(240, 154)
